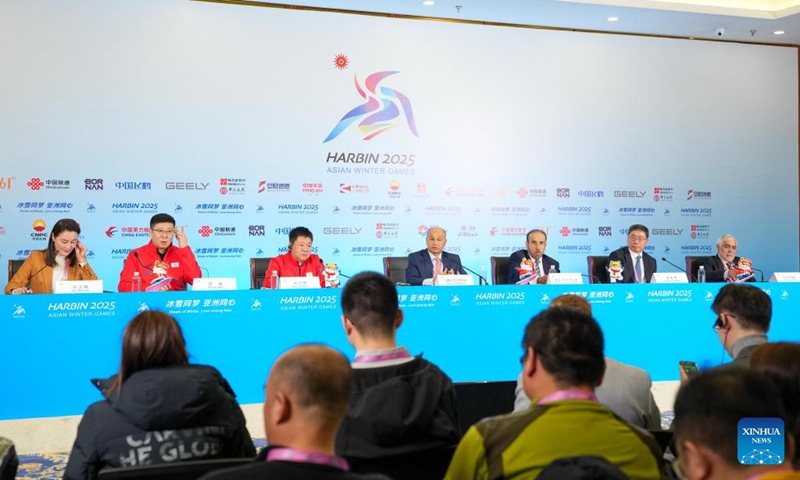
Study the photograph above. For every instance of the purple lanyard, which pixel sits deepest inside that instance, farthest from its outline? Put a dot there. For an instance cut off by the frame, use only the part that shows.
(304, 456)
(382, 357)
(568, 395)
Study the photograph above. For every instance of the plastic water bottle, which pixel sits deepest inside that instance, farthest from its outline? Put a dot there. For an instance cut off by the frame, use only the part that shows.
(552, 270)
(275, 280)
(483, 275)
(136, 282)
(701, 274)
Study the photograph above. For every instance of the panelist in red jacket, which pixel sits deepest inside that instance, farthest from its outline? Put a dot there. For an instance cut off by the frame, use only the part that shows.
(161, 265)
(298, 261)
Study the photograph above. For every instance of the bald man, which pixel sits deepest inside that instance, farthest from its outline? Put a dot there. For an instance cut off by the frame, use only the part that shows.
(305, 400)
(432, 261)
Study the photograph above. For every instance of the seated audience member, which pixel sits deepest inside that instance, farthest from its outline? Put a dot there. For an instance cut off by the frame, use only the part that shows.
(399, 403)
(304, 402)
(780, 363)
(532, 257)
(432, 261)
(563, 364)
(625, 389)
(298, 261)
(707, 414)
(722, 266)
(158, 408)
(161, 265)
(63, 259)
(8, 460)
(743, 317)
(637, 266)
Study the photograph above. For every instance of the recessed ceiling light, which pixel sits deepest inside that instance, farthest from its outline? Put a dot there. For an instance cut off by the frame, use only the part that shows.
(612, 19)
(428, 3)
(778, 32)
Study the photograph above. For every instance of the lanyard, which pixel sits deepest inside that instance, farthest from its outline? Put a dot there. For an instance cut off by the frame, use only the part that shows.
(304, 456)
(382, 357)
(568, 395)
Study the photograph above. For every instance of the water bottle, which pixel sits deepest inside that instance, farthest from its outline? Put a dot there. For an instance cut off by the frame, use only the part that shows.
(552, 270)
(483, 275)
(275, 280)
(136, 282)
(701, 274)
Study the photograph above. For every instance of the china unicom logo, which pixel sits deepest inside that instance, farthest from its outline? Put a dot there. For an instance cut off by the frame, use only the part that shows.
(761, 441)
(385, 108)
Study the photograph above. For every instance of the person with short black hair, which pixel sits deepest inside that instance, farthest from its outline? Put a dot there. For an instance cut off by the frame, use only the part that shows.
(637, 266)
(708, 410)
(305, 399)
(161, 265)
(562, 364)
(400, 403)
(743, 317)
(63, 259)
(298, 261)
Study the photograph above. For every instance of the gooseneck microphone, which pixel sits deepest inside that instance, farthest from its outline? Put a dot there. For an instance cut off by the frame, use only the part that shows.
(691, 277)
(759, 271)
(28, 287)
(481, 279)
(592, 278)
(136, 256)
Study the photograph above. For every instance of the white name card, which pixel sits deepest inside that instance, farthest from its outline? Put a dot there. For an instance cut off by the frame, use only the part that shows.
(78, 286)
(298, 282)
(564, 279)
(669, 277)
(453, 280)
(785, 277)
(211, 284)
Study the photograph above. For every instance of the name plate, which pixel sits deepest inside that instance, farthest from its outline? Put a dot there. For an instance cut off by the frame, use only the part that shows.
(212, 284)
(669, 277)
(298, 282)
(565, 279)
(78, 286)
(785, 277)
(454, 280)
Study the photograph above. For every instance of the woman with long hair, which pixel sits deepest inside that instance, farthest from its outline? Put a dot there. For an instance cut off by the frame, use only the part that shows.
(63, 259)
(158, 408)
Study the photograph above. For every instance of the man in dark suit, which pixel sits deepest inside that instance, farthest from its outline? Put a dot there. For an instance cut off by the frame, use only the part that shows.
(637, 265)
(720, 267)
(432, 261)
(535, 243)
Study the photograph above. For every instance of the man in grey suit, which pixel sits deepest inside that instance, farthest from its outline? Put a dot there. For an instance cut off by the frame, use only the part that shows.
(625, 389)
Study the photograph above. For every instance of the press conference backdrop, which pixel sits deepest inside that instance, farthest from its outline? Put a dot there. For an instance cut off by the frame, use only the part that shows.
(246, 121)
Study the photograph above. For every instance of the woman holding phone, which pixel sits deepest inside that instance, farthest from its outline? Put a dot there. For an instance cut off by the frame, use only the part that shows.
(63, 259)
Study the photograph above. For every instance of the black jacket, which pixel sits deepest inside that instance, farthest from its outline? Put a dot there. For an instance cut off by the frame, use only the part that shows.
(624, 255)
(516, 258)
(715, 270)
(160, 415)
(398, 409)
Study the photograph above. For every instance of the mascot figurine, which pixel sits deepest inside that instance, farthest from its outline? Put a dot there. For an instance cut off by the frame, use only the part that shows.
(744, 271)
(331, 273)
(527, 274)
(615, 270)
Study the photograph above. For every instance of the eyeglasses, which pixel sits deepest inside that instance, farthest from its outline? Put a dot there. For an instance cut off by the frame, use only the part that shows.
(637, 238)
(163, 233)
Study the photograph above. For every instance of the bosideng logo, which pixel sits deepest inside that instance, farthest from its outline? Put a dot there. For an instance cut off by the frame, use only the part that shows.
(385, 108)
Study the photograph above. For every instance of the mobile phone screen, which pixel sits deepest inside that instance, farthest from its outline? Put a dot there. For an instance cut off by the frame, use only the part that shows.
(690, 368)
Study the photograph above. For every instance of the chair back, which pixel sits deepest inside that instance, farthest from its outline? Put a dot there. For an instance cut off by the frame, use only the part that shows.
(499, 270)
(422, 465)
(692, 264)
(191, 470)
(395, 268)
(13, 266)
(478, 400)
(258, 268)
(597, 268)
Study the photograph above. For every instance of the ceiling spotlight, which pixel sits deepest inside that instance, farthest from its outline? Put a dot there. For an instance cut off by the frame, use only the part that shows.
(612, 19)
(428, 3)
(778, 32)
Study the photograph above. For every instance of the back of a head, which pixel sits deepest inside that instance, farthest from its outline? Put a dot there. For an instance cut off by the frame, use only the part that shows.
(369, 301)
(709, 406)
(152, 339)
(569, 344)
(319, 379)
(749, 305)
(570, 300)
(780, 363)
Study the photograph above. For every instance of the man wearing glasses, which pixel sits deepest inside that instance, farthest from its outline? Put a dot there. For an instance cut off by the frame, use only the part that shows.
(637, 266)
(743, 317)
(160, 264)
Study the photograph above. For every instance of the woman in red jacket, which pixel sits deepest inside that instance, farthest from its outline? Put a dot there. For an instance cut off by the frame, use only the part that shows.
(298, 261)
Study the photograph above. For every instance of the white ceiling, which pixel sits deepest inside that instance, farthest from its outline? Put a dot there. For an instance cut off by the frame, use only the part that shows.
(679, 18)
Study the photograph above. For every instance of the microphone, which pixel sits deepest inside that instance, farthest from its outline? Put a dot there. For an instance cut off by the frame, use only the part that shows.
(592, 278)
(759, 271)
(481, 279)
(136, 255)
(28, 287)
(691, 277)
(205, 270)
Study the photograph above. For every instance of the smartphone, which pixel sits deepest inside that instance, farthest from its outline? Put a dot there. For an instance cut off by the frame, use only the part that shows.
(690, 368)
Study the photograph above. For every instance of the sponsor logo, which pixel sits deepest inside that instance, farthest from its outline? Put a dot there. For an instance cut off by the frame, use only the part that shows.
(7, 182)
(186, 185)
(312, 188)
(206, 231)
(663, 194)
(341, 230)
(348, 188)
(256, 231)
(232, 186)
(507, 231)
(39, 225)
(93, 184)
(422, 189)
(698, 195)
(111, 231)
(35, 183)
(591, 193)
(562, 192)
(523, 192)
(133, 185)
(629, 193)
(380, 113)
(666, 231)
(604, 231)
(394, 189)
(564, 231)
(700, 231)
(468, 231)
(128, 232)
(387, 230)
(422, 230)
(273, 187)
